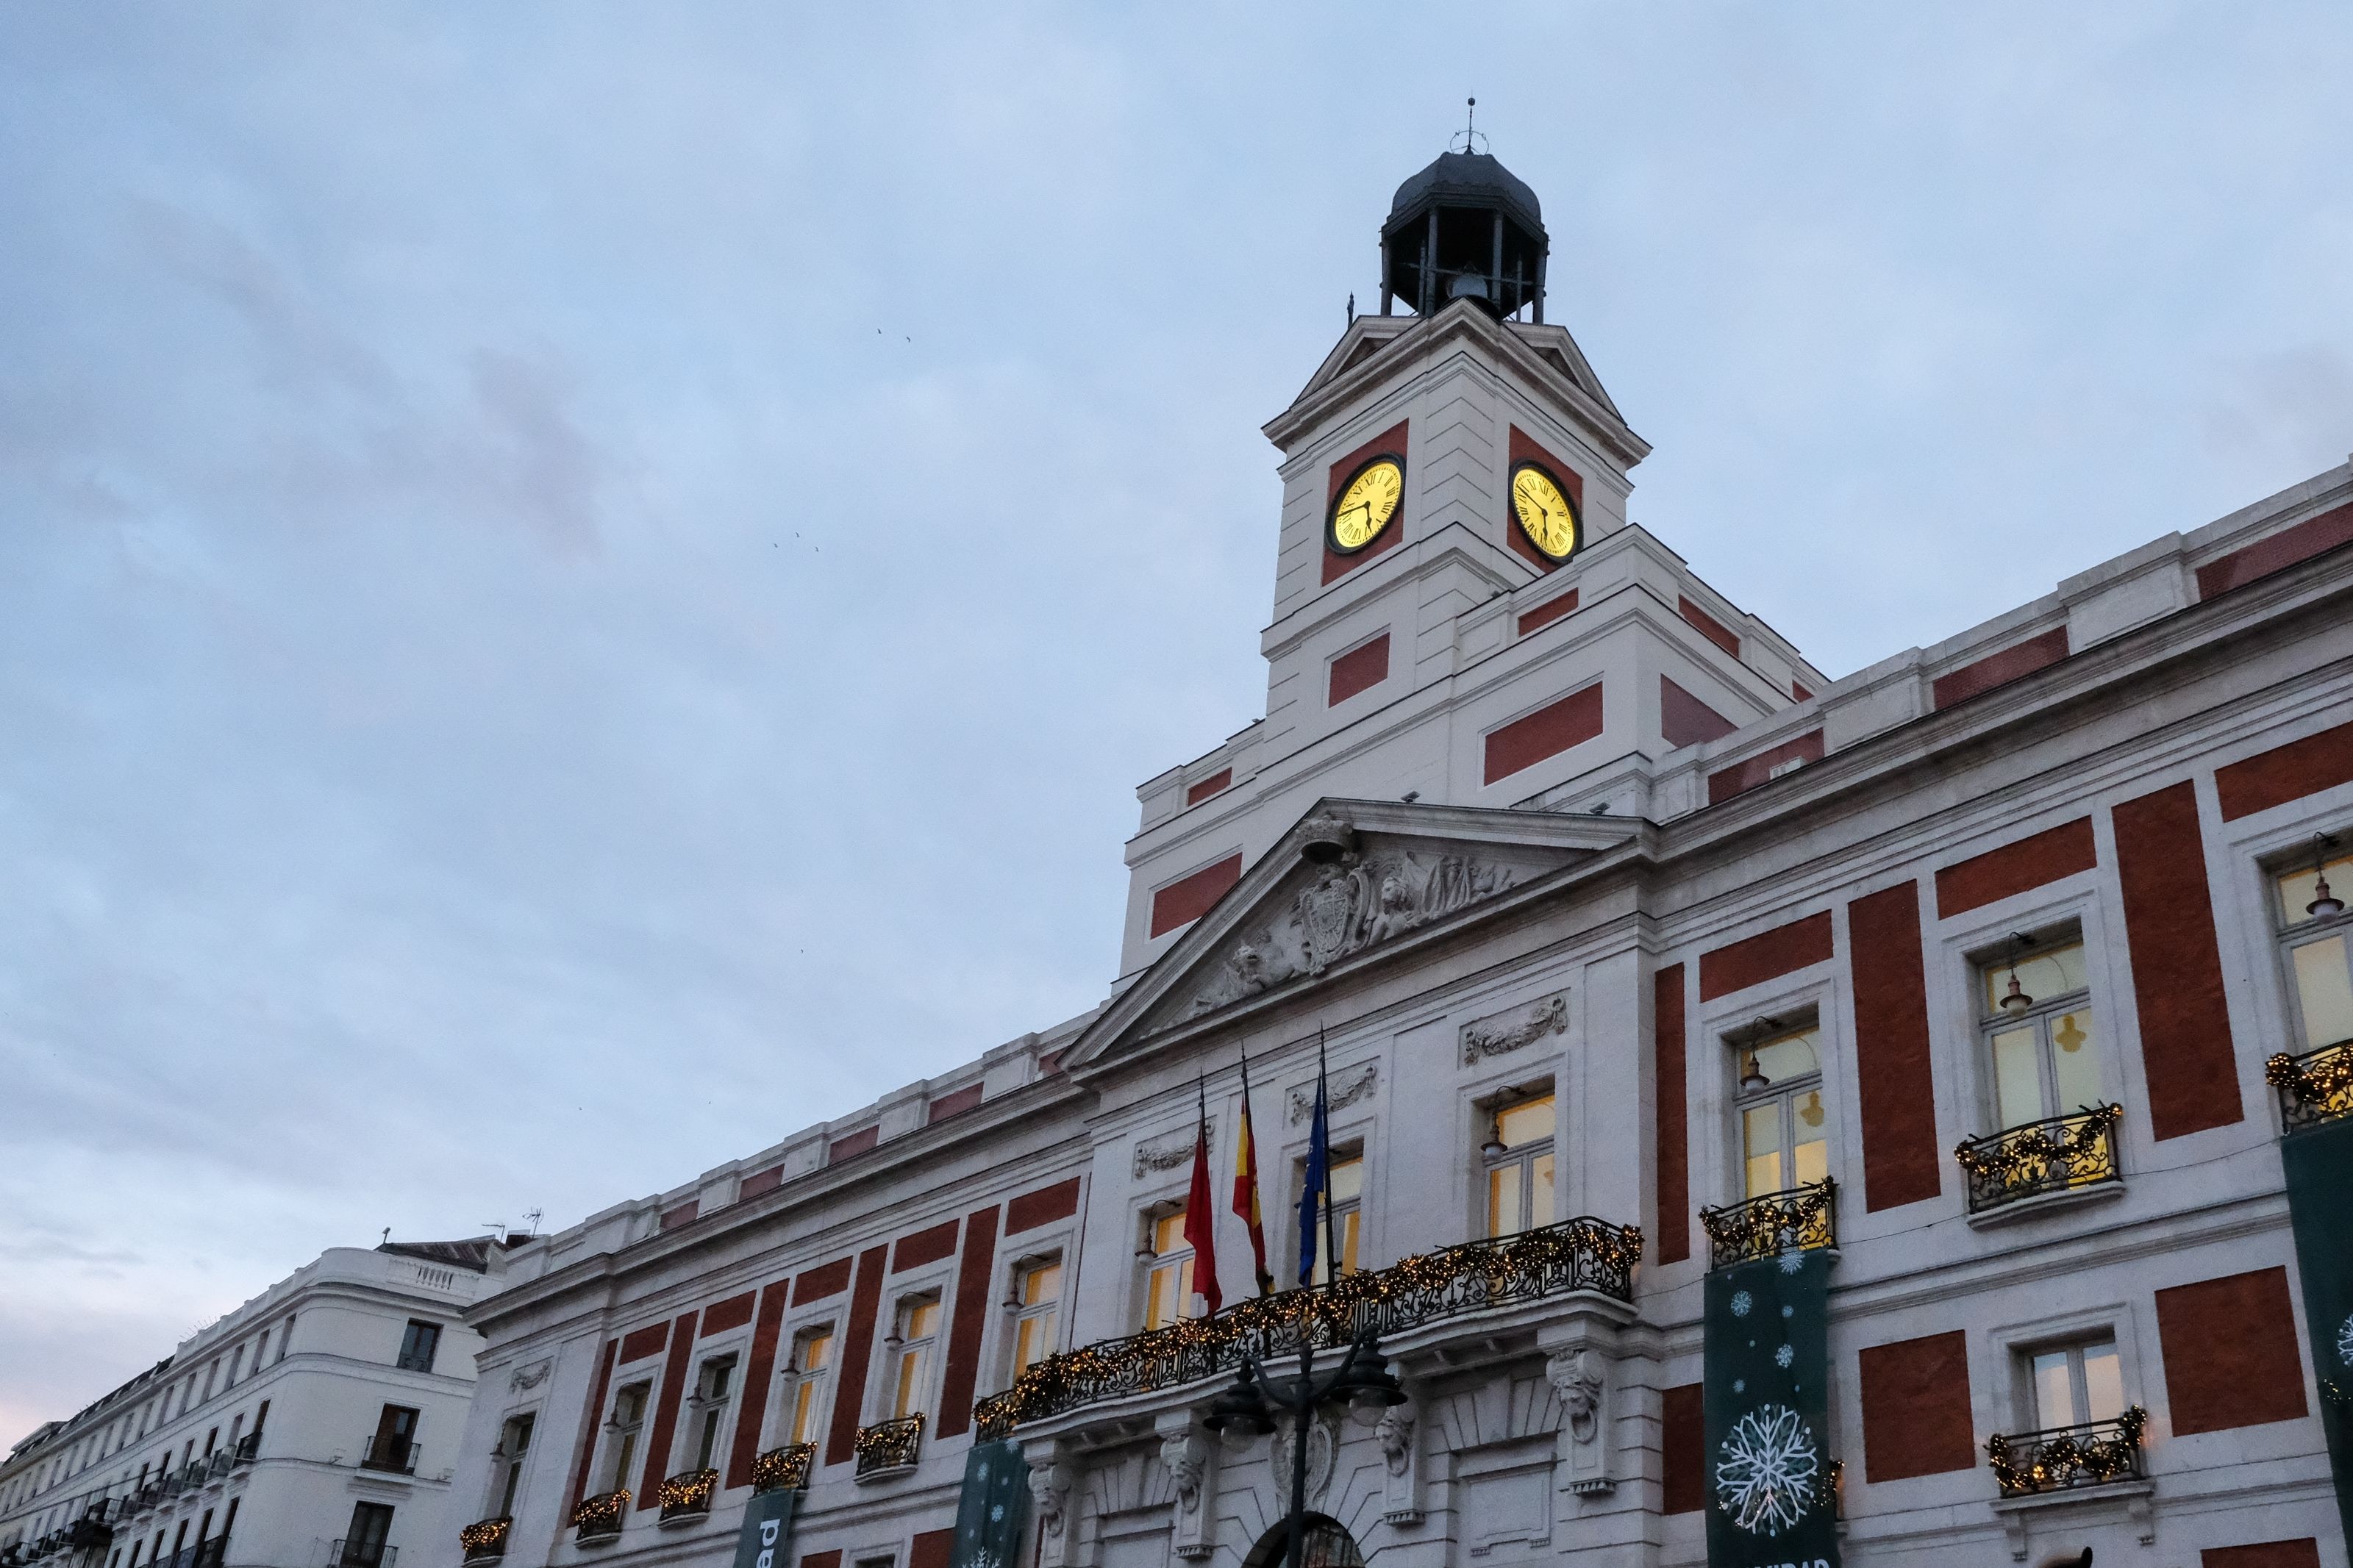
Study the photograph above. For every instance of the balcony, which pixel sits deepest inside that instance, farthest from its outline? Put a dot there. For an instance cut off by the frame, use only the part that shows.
(249, 1447)
(394, 1455)
(1798, 1220)
(2058, 1154)
(2314, 1088)
(2061, 1458)
(1584, 1254)
(889, 1447)
(485, 1540)
(353, 1554)
(784, 1470)
(599, 1517)
(687, 1496)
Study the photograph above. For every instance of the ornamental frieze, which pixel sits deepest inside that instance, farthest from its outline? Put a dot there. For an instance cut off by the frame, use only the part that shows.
(1505, 1032)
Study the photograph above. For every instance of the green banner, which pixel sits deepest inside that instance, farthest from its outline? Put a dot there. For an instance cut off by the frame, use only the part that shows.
(767, 1528)
(994, 1507)
(2319, 1162)
(1764, 1405)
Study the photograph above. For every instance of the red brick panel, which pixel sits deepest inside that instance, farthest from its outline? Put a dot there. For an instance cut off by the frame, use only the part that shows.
(923, 1247)
(1711, 628)
(732, 1313)
(1188, 898)
(758, 1367)
(759, 1182)
(1901, 1161)
(673, 1388)
(954, 1104)
(1360, 670)
(1759, 958)
(2231, 1355)
(1547, 732)
(1749, 771)
(1551, 610)
(2185, 1029)
(972, 1305)
(1221, 780)
(826, 1279)
(1799, 693)
(2277, 553)
(1525, 449)
(831, 1559)
(1673, 1113)
(1033, 1209)
(2011, 664)
(590, 1420)
(1682, 1449)
(856, 1350)
(837, 1150)
(1915, 1408)
(2303, 1553)
(682, 1214)
(2286, 772)
(639, 1344)
(1337, 565)
(1685, 721)
(1982, 879)
(931, 1548)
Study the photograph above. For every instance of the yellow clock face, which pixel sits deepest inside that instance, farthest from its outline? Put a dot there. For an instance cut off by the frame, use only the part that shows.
(1544, 513)
(1366, 505)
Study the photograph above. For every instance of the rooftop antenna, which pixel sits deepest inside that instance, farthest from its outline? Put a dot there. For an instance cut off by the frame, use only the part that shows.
(533, 1216)
(387, 1235)
(1471, 140)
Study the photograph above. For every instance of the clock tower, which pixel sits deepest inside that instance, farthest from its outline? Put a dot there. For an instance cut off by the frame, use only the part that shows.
(1464, 614)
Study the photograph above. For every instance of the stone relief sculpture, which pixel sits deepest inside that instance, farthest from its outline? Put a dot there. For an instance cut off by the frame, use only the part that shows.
(529, 1377)
(1395, 1433)
(1303, 1100)
(1163, 1155)
(1323, 1449)
(1508, 1032)
(1181, 1453)
(1050, 1489)
(1575, 1375)
(1353, 903)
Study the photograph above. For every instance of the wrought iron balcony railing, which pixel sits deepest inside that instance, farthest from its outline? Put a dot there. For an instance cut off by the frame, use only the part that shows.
(599, 1517)
(398, 1455)
(1768, 1226)
(1584, 1254)
(687, 1495)
(485, 1540)
(2059, 1457)
(248, 1448)
(890, 1445)
(2056, 1154)
(2314, 1088)
(784, 1470)
(355, 1553)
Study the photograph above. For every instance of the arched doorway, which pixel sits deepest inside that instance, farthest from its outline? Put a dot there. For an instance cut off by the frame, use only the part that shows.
(1328, 1544)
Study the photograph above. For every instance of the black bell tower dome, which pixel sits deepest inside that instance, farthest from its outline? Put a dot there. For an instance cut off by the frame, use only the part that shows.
(1464, 229)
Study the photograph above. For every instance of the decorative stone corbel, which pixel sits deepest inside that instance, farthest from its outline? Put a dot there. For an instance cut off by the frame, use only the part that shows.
(1191, 1461)
(1049, 1504)
(1582, 1351)
(1400, 1437)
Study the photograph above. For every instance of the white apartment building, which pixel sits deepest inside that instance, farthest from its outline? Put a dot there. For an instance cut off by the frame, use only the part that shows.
(1772, 1119)
(314, 1426)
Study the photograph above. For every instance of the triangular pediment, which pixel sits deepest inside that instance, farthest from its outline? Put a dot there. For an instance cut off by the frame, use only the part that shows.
(1351, 881)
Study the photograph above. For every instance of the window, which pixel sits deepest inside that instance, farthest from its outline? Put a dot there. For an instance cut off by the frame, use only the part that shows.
(715, 1387)
(418, 1345)
(392, 1447)
(1783, 1141)
(235, 1366)
(812, 1358)
(1168, 1270)
(285, 1338)
(2317, 939)
(918, 1326)
(2073, 1384)
(1519, 1164)
(514, 1443)
(2039, 1035)
(1036, 1301)
(362, 1544)
(629, 1416)
(1347, 1193)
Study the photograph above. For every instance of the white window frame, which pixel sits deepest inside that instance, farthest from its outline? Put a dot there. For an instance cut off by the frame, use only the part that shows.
(1493, 1098)
(1737, 1047)
(731, 1348)
(777, 1431)
(883, 1401)
(508, 1478)
(1992, 964)
(1015, 1313)
(1148, 1260)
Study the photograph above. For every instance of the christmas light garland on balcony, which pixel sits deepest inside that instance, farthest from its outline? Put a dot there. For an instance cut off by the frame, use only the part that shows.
(890, 1445)
(2315, 1087)
(783, 1470)
(1800, 1218)
(485, 1538)
(2067, 1456)
(601, 1514)
(688, 1492)
(2024, 1160)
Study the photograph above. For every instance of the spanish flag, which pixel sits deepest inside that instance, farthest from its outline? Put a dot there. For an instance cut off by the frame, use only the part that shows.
(1245, 1187)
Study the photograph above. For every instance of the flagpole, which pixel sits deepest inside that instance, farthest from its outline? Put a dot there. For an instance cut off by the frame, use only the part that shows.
(1323, 1107)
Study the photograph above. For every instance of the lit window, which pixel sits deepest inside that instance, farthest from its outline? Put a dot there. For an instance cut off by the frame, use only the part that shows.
(812, 1357)
(1784, 1136)
(1347, 1195)
(1519, 1165)
(629, 1418)
(2039, 1035)
(1168, 1279)
(2073, 1384)
(1036, 1303)
(715, 1387)
(514, 1443)
(2317, 949)
(919, 1326)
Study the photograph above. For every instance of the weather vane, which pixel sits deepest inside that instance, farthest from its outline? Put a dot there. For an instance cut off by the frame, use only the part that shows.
(1470, 140)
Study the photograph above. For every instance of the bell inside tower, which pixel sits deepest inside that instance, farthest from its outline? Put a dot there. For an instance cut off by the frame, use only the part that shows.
(1464, 229)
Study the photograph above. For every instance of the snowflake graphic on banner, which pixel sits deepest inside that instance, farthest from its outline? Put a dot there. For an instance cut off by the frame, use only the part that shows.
(1741, 1302)
(2345, 1341)
(1792, 1261)
(1765, 1471)
(1784, 1356)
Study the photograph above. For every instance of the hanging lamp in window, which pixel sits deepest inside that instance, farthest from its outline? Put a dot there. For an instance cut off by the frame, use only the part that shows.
(2016, 1000)
(1752, 1076)
(2325, 904)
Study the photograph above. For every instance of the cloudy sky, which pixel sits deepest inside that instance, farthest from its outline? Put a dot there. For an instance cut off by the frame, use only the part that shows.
(583, 587)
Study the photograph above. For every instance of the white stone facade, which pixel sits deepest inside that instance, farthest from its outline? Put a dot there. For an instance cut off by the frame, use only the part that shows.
(2126, 761)
(253, 1444)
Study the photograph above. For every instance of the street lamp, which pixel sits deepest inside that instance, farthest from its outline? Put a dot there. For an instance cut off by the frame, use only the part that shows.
(1361, 1380)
